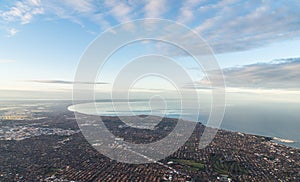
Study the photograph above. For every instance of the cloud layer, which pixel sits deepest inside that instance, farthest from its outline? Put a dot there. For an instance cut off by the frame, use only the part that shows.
(7, 61)
(280, 74)
(22, 11)
(227, 25)
(65, 82)
(276, 76)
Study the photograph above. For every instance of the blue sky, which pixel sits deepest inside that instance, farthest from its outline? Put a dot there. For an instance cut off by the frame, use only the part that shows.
(43, 39)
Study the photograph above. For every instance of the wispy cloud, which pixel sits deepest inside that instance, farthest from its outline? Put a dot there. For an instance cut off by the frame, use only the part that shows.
(279, 74)
(236, 25)
(282, 74)
(7, 61)
(197, 86)
(22, 11)
(245, 25)
(216, 5)
(155, 8)
(81, 6)
(152, 90)
(187, 11)
(227, 25)
(78, 11)
(12, 32)
(34, 94)
(64, 82)
(119, 10)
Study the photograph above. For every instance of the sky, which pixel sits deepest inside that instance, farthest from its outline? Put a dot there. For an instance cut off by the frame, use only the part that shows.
(255, 42)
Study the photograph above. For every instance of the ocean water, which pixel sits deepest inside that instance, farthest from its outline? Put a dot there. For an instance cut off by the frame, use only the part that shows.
(281, 120)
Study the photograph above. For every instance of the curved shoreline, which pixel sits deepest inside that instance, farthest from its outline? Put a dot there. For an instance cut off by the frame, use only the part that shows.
(286, 142)
(283, 140)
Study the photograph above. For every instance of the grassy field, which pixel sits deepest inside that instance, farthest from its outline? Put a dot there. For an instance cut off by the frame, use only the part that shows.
(226, 167)
(190, 163)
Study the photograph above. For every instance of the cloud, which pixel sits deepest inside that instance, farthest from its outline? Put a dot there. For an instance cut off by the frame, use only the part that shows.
(22, 11)
(226, 25)
(78, 11)
(236, 25)
(119, 10)
(81, 6)
(216, 5)
(245, 25)
(12, 32)
(279, 74)
(155, 8)
(64, 82)
(187, 11)
(152, 90)
(34, 94)
(197, 85)
(104, 13)
(7, 61)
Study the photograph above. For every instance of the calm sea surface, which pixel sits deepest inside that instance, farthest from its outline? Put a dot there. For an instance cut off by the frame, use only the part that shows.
(281, 120)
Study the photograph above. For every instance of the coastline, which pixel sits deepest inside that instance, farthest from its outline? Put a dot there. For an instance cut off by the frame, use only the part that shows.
(283, 140)
(275, 139)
